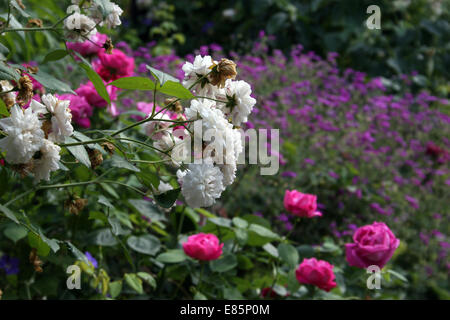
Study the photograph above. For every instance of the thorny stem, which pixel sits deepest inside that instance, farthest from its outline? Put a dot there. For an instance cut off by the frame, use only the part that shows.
(51, 28)
(75, 184)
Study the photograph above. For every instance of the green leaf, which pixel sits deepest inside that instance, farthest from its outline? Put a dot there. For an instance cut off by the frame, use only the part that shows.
(119, 162)
(15, 232)
(200, 296)
(8, 73)
(270, 249)
(172, 256)
(259, 235)
(52, 83)
(55, 55)
(134, 83)
(22, 12)
(292, 283)
(162, 77)
(79, 152)
(77, 253)
(288, 254)
(244, 262)
(176, 89)
(147, 209)
(36, 242)
(3, 110)
(240, 223)
(226, 263)
(147, 278)
(222, 222)
(8, 213)
(3, 49)
(115, 288)
(205, 213)
(52, 243)
(146, 244)
(148, 179)
(263, 232)
(103, 237)
(110, 190)
(232, 294)
(97, 81)
(98, 215)
(170, 85)
(116, 227)
(134, 282)
(241, 235)
(168, 198)
(103, 200)
(397, 275)
(252, 219)
(280, 290)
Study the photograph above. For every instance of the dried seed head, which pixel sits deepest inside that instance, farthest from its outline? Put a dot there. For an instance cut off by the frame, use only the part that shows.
(75, 205)
(32, 69)
(8, 96)
(47, 127)
(108, 147)
(96, 157)
(19, 2)
(176, 105)
(25, 90)
(225, 69)
(35, 261)
(1, 294)
(8, 100)
(108, 46)
(35, 23)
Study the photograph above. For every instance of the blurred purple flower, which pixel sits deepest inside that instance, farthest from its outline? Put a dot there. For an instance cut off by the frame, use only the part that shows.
(9, 265)
(91, 259)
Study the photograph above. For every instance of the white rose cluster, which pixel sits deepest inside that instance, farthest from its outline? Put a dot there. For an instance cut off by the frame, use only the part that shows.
(222, 105)
(31, 135)
(85, 16)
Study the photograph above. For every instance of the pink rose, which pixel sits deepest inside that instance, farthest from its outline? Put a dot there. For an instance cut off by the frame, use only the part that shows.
(88, 91)
(316, 272)
(89, 47)
(372, 245)
(81, 110)
(145, 107)
(301, 204)
(2, 162)
(113, 66)
(203, 247)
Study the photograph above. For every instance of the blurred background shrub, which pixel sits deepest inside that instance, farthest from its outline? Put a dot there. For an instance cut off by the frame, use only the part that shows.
(414, 35)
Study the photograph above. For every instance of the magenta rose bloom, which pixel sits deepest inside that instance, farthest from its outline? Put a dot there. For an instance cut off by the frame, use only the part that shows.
(88, 91)
(89, 47)
(113, 66)
(301, 204)
(316, 272)
(373, 244)
(203, 247)
(81, 110)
